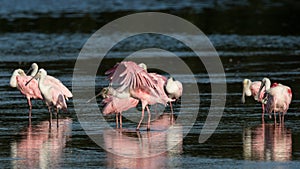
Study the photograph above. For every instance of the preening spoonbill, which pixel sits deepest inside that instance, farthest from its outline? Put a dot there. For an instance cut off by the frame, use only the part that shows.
(31, 91)
(252, 89)
(52, 81)
(117, 103)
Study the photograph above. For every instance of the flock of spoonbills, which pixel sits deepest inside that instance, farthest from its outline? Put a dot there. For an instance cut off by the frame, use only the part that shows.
(274, 98)
(131, 83)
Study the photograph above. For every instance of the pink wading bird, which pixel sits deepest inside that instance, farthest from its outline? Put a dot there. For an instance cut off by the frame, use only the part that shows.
(51, 81)
(19, 79)
(116, 102)
(128, 76)
(53, 95)
(277, 98)
(252, 89)
(118, 105)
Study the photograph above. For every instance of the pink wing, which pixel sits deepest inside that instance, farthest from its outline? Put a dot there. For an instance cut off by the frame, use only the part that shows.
(160, 82)
(129, 75)
(255, 88)
(109, 108)
(31, 90)
(116, 105)
(52, 81)
(125, 104)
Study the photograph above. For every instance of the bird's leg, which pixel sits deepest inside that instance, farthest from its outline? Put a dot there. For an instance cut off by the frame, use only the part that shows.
(29, 115)
(274, 108)
(29, 119)
(275, 116)
(172, 118)
(117, 120)
(138, 127)
(57, 117)
(120, 114)
(263, 111)
(30, 106)
(149, 118)
(50, 114)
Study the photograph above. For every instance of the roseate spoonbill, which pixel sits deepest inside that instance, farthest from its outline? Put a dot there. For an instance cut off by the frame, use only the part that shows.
(118, 105)
(53, 95)
(252, 89)
(52, 81)
(116, 102)
(127, 75)
(19, 79)
(277, 98)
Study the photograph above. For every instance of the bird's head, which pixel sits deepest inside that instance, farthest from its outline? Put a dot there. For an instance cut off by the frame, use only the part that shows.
(143, 65)
(246, 89)
(105, 92)
(34, 68)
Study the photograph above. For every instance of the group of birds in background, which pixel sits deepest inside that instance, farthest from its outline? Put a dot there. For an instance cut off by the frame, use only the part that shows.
(131, 83)
(274, 98)
(46, 88)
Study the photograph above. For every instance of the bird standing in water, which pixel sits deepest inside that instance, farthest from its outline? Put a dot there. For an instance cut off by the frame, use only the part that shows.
(31, 91)
(277, 98)
(252, 89)
(129, 76)
(52, 81)
(117, 103)
(53, 95)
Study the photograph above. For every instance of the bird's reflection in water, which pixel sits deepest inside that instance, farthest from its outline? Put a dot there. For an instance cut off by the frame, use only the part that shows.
(41, 146)
(268, 142)
(154, 149)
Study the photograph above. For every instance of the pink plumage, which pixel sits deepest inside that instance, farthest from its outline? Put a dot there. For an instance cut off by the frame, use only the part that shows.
(53, 95)
(278, 99)
(31, 91)
(254, 87)
(52, 81)
(128, 75)
(118, 105)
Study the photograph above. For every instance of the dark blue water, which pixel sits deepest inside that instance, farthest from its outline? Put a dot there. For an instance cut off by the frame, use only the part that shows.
(251, 44)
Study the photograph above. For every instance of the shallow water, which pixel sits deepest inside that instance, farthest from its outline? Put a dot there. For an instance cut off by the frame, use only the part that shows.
(240, 140)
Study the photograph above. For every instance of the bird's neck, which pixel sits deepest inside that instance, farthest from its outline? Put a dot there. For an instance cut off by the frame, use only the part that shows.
(268, 84)
(13, 80)
(34, 72)
(42, 85)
